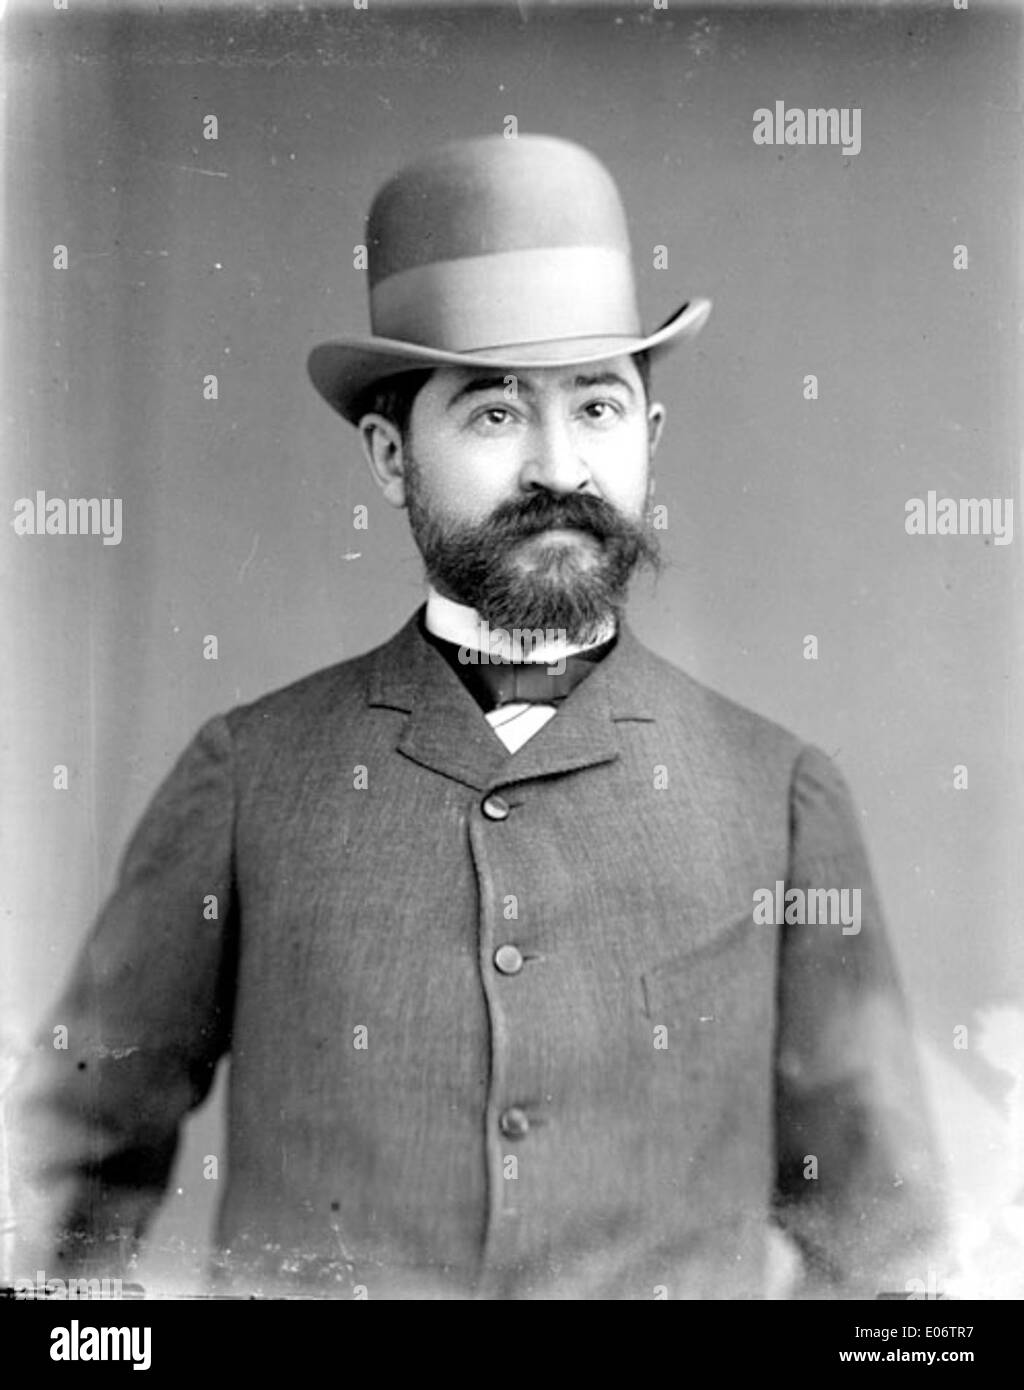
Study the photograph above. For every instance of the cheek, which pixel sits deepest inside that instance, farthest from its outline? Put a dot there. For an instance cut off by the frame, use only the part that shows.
(465, 493)
(468, 486)
(624, 477)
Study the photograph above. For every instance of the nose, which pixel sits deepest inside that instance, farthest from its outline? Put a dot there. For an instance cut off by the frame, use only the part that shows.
(553, 461)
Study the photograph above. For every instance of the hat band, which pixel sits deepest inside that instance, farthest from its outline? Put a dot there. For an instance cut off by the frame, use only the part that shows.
(526, 296)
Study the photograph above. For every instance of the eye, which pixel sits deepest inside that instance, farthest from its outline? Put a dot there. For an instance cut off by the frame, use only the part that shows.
(602, 411)
(491, 417)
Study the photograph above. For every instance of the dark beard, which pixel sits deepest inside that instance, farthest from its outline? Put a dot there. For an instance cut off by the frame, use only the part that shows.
(475, 564)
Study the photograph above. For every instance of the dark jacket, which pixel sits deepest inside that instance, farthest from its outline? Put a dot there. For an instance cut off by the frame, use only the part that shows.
(631, 1104)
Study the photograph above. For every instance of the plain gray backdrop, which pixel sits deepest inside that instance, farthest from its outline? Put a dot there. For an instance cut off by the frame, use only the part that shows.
(786, 516)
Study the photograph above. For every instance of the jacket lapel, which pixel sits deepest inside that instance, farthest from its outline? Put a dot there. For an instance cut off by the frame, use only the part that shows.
(447, 732)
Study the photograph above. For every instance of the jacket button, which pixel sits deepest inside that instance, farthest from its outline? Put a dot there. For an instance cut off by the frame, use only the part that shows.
(514, 1123)
(508, 959)
(495, 807)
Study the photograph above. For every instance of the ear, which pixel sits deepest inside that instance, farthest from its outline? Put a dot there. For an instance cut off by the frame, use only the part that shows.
(655, 424)
(382, 445)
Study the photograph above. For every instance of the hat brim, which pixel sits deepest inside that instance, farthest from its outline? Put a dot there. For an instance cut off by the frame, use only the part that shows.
(344, 369)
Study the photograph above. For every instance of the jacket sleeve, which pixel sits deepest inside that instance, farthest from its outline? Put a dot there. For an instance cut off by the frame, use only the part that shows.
(858, 1185)
(132, 1044)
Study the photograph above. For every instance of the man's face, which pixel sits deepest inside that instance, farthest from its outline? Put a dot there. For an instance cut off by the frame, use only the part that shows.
(527, 492)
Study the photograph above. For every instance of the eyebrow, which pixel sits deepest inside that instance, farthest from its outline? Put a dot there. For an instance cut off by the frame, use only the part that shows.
(581, 382)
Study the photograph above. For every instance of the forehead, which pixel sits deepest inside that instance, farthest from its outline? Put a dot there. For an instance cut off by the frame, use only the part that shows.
(452, 384)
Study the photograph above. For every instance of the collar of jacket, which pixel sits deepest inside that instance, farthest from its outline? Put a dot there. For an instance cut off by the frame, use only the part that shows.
(446, 730)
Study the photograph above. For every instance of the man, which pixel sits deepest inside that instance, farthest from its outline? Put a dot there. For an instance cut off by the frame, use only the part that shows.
(507, 939)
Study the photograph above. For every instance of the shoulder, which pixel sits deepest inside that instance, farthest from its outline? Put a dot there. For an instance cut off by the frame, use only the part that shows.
(719, 729)
(322, 696)
(306, 697)
(704, 712)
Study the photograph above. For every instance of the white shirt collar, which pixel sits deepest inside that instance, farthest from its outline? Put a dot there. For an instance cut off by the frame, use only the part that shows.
(458, 623)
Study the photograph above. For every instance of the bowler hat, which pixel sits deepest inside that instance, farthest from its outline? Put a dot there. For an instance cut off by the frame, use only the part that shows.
(495, 252)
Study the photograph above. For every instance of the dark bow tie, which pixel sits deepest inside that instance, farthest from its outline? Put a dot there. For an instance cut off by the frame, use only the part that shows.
(507, 683)
(493, 682)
